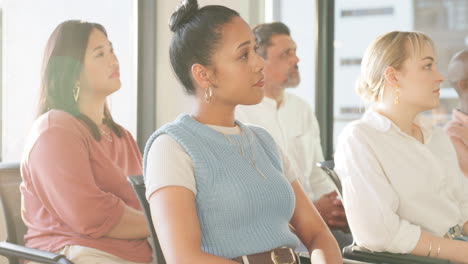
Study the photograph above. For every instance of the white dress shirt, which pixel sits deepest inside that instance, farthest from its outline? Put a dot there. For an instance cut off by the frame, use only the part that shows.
(295, 129)
(395, 186)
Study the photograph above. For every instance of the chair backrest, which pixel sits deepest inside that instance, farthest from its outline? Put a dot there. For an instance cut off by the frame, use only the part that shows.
(10, 202)
(139, 187)
(10, 210)
(328, 166)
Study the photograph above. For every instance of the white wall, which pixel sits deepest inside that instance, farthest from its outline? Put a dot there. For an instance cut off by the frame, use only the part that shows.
(170, 98)
(27, 26)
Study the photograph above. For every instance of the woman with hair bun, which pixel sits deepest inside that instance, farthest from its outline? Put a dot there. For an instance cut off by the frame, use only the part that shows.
(402, 187)
(221, 191)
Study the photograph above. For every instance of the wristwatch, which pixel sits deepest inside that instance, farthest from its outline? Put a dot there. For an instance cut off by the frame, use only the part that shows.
(456, 233)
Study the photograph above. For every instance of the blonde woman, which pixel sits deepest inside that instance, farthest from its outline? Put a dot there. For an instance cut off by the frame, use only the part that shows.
(403, 189)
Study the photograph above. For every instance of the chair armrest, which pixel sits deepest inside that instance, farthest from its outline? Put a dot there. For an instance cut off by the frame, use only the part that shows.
(12, 250)
(328, 166)
(355, 252)
(136, 180)
(305, 259)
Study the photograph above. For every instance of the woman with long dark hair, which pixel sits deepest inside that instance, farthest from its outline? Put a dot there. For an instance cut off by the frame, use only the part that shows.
(76, 198)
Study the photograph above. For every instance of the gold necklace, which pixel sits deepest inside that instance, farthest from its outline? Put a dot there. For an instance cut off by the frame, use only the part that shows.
(252, 161)
(106, 134)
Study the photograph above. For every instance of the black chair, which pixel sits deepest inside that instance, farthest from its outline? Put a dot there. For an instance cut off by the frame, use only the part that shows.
(138, 185)
(328, 166)
(355, 252)
(10, 208)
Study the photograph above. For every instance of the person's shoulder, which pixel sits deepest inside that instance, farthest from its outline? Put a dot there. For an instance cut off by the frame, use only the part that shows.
(300, 107)
(356, 129)
(61, 119)
(248, 113)
(56, 126)
(56, 120)
(296, 100)
(357, 125)
(260, 132)
(125, 132)
(262, 136)
(127, 136)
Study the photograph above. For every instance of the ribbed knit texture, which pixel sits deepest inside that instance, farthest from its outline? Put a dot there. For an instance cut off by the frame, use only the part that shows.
(239, 211)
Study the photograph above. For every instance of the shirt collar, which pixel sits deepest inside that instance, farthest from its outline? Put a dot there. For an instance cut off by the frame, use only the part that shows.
(269, 102)
(384, 124)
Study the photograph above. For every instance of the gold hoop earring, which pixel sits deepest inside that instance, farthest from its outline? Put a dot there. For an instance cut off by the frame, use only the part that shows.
(397, 95)
(208, 95)
(76, 91)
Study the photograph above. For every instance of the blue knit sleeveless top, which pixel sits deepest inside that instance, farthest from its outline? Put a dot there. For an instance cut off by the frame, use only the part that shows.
(240, 212)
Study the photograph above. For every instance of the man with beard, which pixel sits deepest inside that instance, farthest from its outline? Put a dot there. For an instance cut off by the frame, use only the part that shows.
(457, 129)
(292, 124)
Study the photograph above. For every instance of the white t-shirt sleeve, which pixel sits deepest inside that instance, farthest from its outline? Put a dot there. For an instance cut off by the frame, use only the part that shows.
(289, 171)
(168, 164)
(369, 199)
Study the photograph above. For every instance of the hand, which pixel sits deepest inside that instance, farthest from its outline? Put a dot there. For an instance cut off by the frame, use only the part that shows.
(457, 130)
(459, 117)
(332, 211)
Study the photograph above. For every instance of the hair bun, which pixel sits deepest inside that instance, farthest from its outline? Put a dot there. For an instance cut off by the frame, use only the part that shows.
(184, 12)
(363, 88)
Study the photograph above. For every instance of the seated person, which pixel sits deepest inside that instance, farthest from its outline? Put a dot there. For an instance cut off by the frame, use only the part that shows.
(402, 188)
(457, 129)
(292, 123)
(76, 198)
(221, 191)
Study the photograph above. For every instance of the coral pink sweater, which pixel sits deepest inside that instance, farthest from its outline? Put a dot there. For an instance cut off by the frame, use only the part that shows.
(75, 188)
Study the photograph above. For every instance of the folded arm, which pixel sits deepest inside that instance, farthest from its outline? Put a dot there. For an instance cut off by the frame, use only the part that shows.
(63, 179)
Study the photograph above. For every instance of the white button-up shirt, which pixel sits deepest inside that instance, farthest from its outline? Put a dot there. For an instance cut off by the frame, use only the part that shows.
(295, 129)
(394, 186)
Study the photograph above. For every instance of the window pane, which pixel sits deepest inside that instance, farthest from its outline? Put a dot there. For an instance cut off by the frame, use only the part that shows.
(27, 26)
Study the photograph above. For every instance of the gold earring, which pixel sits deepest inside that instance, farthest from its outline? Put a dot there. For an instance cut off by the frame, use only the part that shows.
(76, 91)
(208, 94)
(397, 95)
